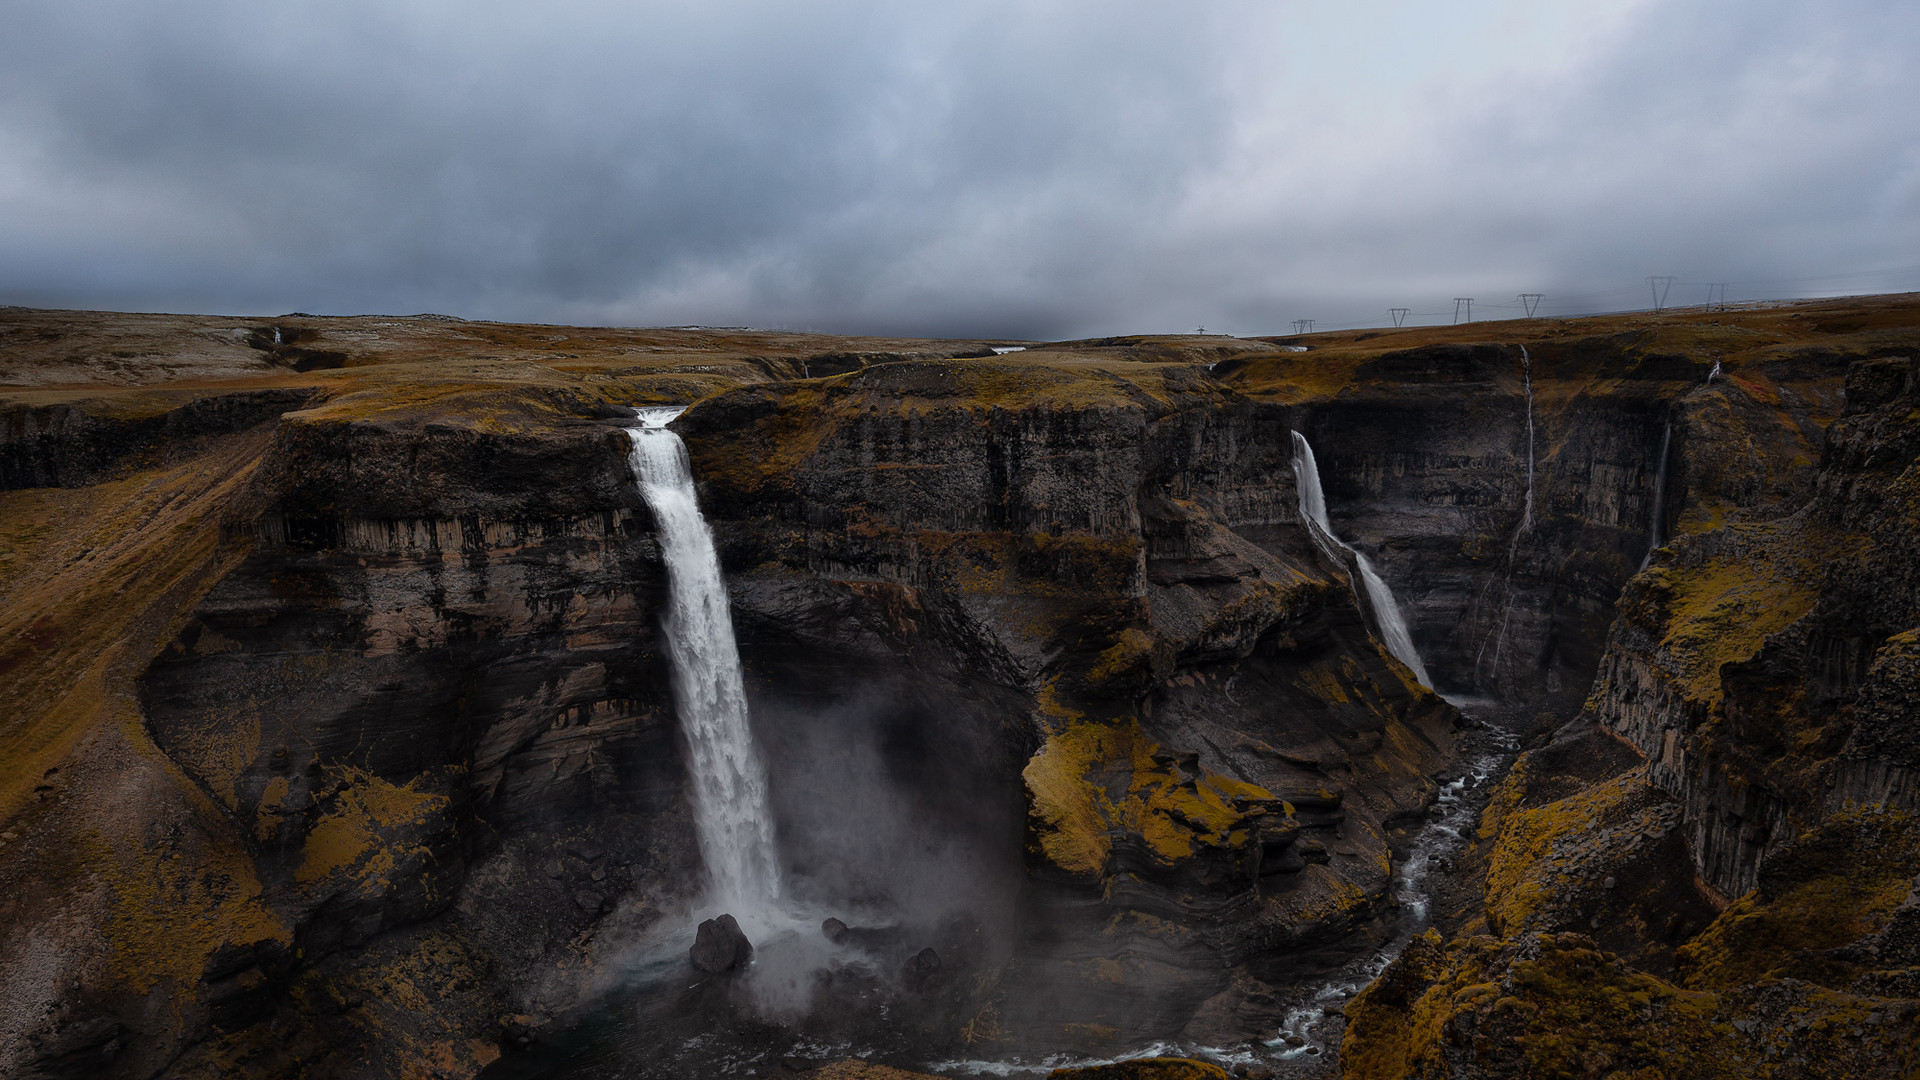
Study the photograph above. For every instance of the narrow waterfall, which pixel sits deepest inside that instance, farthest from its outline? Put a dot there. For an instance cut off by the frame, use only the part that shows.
(1498, 637)
(1313, 509)
(1526, 509)
(730, 805)
(1657, 534)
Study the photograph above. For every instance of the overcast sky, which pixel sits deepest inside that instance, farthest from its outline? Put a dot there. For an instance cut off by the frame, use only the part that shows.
(1021, 169)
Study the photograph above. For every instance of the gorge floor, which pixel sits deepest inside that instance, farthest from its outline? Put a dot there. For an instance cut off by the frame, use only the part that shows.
(661, 1018)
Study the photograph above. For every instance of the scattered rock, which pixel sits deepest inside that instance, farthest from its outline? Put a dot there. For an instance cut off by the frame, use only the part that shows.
(518, 1031)
(922, 969)
(720, 945)
(835, 930)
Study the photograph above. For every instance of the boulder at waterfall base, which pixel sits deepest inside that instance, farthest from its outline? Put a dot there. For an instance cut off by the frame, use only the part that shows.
(720, 945)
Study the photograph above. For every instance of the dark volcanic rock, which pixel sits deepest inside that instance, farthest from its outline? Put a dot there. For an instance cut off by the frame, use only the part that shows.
(921, 969)
(720, 945)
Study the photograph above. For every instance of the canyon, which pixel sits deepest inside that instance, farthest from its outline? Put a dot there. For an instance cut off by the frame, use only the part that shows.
(345, 739)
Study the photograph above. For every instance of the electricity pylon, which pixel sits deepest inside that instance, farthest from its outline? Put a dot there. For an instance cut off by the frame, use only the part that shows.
(1658, 284)
(1458, 303)
(1531, 301)
(1399, 315)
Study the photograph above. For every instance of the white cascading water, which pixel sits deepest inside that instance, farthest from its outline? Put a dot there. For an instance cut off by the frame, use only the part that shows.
(1499, 637)
(1656, 535)
(1313, 509)
(1526, 509)
(730, 805)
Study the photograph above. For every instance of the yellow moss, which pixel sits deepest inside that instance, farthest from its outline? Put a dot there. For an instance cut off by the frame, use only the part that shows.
(1163, 1068)
(1071, 816)
(1323, 682)
(1562, 1013)
(1124, 655)
(1726, 609)
(355, 837)
(1521, 870)
(171, 907)
(85, 606)
(1854, 869)
(1092, 783)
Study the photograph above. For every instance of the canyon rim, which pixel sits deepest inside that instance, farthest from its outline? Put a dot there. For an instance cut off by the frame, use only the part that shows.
(1518, 699)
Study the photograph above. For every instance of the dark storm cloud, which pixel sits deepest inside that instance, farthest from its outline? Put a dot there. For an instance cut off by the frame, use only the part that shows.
(1022, 169)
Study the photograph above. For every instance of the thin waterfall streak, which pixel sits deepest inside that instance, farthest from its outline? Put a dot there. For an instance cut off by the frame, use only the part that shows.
(1657, 532)
(1498, 636)
(732, 813)
(1500, 641)
(1386, 611)
(1526, 509)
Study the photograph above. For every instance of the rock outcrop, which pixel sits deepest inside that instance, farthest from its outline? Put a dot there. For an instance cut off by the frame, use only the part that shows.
(1746, 855)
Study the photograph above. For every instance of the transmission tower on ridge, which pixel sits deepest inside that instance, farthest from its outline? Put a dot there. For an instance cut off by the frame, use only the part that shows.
(1658, 284)
(1303, 326)
(1531, 301)
(1717, 296)
(1399, 315)
(1462, 302)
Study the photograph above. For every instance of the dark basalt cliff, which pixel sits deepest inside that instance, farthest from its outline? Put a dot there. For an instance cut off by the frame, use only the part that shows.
(1748, 839)
(343, 742)
(1215, 754)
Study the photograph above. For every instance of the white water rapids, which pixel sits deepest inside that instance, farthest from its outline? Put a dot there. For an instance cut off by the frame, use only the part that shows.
(1386, 612)
(730, 805)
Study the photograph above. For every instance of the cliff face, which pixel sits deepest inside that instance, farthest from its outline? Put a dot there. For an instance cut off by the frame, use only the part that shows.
(1509, 488)
(1215, 753)
(344, 729)
(1758, 666)
(1748, 844)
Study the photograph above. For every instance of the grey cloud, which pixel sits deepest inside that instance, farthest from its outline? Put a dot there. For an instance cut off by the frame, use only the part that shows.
(994, 168)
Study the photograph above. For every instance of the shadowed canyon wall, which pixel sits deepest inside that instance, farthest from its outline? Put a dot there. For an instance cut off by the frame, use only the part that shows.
(345, 736)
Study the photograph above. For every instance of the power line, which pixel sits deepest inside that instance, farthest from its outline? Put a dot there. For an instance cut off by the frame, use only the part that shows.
(1721, 296)
(1658, 284)
(1303, 326)
(1531, 301)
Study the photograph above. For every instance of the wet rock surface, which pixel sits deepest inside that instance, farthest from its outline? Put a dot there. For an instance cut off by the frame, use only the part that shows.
(720, 945)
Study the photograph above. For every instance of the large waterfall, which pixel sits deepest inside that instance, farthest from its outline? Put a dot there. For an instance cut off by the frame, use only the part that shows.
(1386, 613)
(730, 805)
